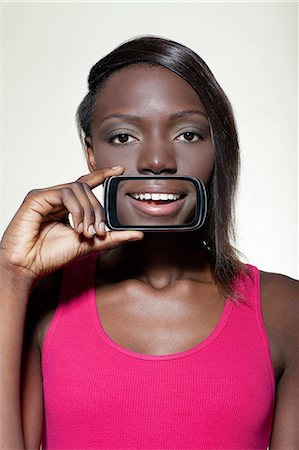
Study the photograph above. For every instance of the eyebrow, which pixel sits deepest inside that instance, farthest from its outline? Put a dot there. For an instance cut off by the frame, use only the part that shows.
(134, 118)
(189, 112)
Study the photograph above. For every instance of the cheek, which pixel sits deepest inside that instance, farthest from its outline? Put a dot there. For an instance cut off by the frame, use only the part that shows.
(129, 166)
(198, 163)
(106, 158)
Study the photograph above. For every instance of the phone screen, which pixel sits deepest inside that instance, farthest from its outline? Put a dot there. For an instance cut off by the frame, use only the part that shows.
(155, 203)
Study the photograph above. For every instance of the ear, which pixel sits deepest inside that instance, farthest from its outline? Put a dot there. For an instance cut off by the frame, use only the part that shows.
(89, 153)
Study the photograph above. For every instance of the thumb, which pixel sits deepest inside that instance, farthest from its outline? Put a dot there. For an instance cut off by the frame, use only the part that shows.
(114, 238)
(111, 240)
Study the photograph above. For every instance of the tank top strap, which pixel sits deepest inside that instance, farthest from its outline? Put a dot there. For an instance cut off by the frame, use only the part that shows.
(247, 287)
(251, 287)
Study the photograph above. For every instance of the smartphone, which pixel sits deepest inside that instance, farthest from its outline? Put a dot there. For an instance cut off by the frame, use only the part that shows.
(155, 203)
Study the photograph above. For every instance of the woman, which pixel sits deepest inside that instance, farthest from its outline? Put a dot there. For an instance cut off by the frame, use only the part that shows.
(154, 340)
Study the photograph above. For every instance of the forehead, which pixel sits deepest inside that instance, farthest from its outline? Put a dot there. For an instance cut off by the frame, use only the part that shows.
(146, 89)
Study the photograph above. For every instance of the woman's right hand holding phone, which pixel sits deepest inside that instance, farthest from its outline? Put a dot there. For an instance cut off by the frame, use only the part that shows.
(39, 239)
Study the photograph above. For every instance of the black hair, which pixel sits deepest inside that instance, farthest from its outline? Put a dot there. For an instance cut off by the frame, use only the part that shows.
(218, 232)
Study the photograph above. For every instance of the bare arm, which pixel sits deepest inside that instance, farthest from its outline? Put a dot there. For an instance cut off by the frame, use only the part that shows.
(42, 304)
(32, 402)
(42, 300)
(285, 434)
(15, 289)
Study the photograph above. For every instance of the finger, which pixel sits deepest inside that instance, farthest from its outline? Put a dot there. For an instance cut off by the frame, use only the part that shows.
(97, 177)
(99, 213)
(93, 179)
(74, 207)
(39, 206)
(42, 202)
(88, 219)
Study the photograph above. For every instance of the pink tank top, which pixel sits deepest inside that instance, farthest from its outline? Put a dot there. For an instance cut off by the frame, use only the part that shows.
(98, 395)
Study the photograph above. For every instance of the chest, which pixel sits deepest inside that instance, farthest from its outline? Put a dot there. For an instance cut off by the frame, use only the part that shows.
(158, 323)
(165, 322)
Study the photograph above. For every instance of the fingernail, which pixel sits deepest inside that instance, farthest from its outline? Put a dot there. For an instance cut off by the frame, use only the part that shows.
(70, 219)
(91, 230)
(102, 227)
(115, 167)
(80, 227)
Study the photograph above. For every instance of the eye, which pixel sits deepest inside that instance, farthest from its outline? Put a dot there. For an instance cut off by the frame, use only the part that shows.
(189, 136)
(123, 138)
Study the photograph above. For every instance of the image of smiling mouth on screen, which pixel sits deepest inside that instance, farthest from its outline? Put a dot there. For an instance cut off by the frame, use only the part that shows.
(155, 202)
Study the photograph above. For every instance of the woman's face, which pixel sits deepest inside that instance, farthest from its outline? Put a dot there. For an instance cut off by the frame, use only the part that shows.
(151, 122)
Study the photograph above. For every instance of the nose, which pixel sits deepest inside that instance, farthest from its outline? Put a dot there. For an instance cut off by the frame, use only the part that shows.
(157, 159)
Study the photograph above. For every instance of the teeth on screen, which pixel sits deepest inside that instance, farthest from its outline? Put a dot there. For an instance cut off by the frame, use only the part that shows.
(155, 196)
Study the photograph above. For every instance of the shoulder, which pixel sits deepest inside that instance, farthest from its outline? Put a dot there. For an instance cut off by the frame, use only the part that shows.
(280, 294)
(279, 284)
(280, 307)
(42, 305)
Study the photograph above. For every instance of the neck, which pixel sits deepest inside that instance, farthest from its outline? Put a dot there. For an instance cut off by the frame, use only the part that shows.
(158, 260)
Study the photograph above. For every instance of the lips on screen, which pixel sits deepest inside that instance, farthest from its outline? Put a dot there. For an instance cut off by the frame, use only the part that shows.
(155, 202)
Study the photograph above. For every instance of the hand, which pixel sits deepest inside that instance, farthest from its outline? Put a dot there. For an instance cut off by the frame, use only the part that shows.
(39, 240)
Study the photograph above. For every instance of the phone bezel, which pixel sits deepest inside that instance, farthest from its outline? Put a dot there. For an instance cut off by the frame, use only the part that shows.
(110, 188)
